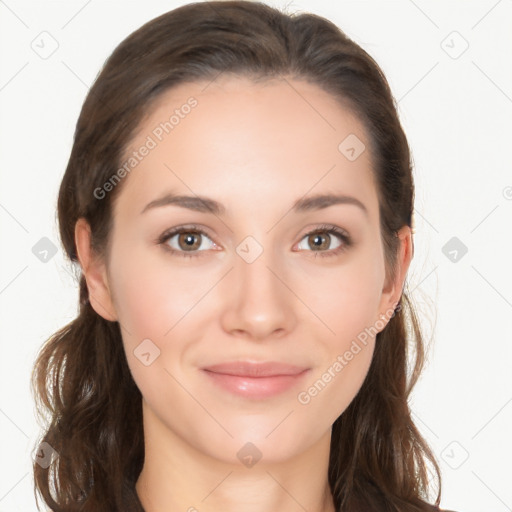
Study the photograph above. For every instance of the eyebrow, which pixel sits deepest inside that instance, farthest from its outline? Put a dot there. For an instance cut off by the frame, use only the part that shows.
(207, 205)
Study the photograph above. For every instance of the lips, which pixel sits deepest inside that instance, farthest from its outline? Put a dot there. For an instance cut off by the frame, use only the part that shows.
(255, 381)
(255, 370)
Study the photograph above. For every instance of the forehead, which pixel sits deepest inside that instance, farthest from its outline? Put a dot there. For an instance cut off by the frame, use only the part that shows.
(245, 143)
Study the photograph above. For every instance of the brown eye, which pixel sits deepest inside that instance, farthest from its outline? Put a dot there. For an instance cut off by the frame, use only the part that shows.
(321, 239)
(188, 240)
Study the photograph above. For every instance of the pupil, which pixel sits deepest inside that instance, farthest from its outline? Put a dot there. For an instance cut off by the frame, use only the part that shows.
(317, 240)
(188, 240)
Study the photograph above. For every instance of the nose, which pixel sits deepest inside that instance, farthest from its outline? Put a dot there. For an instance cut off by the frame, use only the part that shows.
(259, 303)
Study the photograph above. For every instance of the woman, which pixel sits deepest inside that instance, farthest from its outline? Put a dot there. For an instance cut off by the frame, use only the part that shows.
(216, 363)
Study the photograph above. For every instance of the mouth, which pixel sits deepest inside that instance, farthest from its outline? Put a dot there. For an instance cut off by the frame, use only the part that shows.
(255, 380)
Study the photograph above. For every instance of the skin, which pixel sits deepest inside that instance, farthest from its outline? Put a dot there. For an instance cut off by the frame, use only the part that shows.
(256, 148)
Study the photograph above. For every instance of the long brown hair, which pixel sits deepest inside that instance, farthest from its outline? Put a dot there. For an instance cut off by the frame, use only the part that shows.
(81, 381)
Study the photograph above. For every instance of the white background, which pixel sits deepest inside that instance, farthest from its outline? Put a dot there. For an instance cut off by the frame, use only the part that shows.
(457, 114)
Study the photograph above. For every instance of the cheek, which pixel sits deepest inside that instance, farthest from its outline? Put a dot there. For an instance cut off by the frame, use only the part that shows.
(160, 301)
(152, 294)
(347, 347)
(345, 298)
(337, 384)
(348, 307)
(150, 303)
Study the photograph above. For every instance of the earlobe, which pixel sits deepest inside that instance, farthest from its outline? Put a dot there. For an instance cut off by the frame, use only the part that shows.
(94, 271)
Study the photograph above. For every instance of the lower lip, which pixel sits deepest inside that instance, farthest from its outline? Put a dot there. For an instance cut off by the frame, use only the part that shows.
(256, 387)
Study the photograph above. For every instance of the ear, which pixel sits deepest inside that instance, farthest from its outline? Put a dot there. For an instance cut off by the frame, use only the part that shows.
(393, 289)
(94, 271)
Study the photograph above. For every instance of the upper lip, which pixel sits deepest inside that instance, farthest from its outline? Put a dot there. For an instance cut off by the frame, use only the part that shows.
(252, 369)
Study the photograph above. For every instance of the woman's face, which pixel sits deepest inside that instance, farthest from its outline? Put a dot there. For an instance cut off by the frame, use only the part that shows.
(264, 281)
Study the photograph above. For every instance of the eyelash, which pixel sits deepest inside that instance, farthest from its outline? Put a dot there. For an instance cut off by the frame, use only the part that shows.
(325, 228)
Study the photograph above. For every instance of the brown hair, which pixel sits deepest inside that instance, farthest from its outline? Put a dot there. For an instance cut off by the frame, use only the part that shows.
(81, 380)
